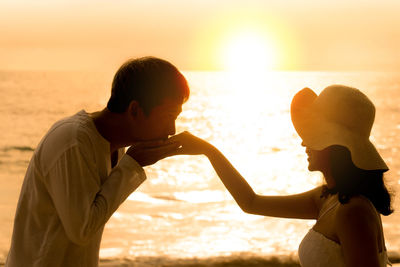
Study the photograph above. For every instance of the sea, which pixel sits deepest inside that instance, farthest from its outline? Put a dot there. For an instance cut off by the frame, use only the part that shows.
(182, 214)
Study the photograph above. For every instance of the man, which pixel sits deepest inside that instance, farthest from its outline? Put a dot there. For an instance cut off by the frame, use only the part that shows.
(79, 173)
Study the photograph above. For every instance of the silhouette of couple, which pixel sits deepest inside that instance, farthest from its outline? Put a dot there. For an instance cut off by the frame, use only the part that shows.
(80, 173)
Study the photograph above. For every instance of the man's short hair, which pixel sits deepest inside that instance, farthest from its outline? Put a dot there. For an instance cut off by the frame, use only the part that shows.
(148, 81)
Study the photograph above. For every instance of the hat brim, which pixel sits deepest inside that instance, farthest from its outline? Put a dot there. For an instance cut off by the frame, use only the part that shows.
(318, 133)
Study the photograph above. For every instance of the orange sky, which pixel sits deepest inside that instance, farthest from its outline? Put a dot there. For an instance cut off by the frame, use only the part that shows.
(100, 34)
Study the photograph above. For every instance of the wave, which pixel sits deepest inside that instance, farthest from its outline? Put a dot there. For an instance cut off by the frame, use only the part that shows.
(222, 261)
(18, 148)
(238, 260)
(194, 196)
(166, 197)
(146, 198)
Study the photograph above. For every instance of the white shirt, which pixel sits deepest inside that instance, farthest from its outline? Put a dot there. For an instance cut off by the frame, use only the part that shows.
(69, 193)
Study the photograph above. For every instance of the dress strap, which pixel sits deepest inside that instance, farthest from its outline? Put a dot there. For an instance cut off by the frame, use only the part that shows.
(334, 204)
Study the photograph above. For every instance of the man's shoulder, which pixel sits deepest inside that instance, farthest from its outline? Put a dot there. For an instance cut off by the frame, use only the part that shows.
(72, 132)
(68, 131)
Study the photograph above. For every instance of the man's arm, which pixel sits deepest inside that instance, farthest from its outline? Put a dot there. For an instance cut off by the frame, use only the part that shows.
(82, 203)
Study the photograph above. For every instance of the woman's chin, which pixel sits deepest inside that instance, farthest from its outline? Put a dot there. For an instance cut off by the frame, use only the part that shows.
(311, 168)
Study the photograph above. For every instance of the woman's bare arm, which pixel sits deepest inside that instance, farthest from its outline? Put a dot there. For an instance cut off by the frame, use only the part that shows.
(302, 206)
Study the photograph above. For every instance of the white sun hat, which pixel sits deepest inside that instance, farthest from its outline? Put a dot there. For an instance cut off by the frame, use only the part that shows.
(340, 115)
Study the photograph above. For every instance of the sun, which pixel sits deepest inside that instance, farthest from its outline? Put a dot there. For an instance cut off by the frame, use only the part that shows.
(248, 50)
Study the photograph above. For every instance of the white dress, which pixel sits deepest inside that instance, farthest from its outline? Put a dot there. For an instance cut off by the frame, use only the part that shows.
(316, 250)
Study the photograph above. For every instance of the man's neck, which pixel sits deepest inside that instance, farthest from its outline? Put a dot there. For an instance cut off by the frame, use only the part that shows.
(110, 125)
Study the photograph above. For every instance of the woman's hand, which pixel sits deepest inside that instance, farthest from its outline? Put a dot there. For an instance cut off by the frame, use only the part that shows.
(149, 152)
(190, 144)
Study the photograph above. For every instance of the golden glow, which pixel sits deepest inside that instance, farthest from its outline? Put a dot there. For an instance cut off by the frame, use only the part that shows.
(201, 35)
(248, 41)
(249, 50)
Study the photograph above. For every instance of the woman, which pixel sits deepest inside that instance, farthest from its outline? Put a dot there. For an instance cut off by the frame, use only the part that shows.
(335, 128)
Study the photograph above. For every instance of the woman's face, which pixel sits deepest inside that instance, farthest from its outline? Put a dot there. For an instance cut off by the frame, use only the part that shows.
(318, 160)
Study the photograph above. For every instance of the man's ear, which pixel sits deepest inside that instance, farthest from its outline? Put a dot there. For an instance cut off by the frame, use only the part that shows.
(133, 108)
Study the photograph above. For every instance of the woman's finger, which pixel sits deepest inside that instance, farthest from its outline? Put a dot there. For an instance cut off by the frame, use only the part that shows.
(155, 143)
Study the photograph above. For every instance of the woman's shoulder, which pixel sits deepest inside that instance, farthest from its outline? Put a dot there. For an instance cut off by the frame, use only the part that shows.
(356, 212)
(358, 225)
(358, 205)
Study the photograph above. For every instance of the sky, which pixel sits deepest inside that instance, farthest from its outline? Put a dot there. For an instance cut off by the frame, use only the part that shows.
(306, 35)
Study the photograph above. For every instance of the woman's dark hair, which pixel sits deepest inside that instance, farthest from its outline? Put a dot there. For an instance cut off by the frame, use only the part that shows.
(149, 81)
(351, 181)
